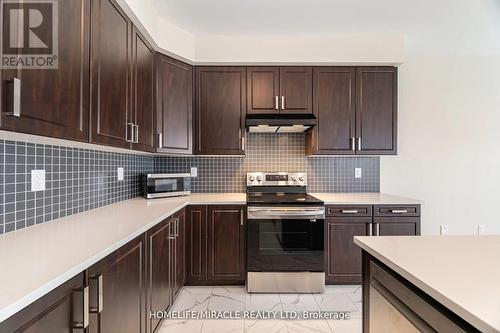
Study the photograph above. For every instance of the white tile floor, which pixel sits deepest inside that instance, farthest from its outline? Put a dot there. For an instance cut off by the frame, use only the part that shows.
(336, 298)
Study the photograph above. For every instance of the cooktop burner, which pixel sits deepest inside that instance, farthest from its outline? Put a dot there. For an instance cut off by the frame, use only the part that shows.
(259, 198)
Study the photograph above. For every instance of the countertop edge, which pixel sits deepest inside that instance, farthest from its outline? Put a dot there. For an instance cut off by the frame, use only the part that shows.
(36, 294)
(435, 294)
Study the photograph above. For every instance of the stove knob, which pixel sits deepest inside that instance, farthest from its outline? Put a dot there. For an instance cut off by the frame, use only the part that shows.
(259, 178)
(301, 178)
(294, 178)
(251, 178)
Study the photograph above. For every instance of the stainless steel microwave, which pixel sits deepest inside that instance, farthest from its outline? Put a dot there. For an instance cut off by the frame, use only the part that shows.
(161, 185)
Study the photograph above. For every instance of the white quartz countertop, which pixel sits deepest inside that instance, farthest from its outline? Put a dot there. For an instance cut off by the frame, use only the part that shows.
(37, 259)
(364, 199)
(460, 272)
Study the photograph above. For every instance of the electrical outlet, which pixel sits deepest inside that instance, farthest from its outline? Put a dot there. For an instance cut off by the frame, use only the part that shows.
(194, 172)
(37, 180)
(443, 229)
(357, 172)
(481, 229)
(120, 174)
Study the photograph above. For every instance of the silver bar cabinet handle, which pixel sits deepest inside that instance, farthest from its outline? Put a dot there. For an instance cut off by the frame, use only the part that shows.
(242, 222)
(276, 103)
(98, 280)
(399, 211)
(136, 127)
(349, 211)
(176, 227)
(359, 143)
(160, 140)
(370, 229)
(15, 107)
(283, 103)
(129, 129)
(352, 143)
(85, 306)
(243, 142)
(377, 229)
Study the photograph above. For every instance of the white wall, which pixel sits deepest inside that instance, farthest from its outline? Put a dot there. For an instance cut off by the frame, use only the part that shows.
(449, 137)
(367, 49)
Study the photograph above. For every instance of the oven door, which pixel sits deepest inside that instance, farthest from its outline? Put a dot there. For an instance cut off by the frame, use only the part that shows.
(285, 240)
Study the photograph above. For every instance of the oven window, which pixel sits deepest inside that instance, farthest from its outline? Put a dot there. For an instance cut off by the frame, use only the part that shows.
(276, 236)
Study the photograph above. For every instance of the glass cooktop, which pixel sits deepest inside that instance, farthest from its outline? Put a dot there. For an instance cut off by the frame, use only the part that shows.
(260, 198)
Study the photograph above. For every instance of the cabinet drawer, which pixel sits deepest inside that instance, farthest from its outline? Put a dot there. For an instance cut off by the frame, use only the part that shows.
(351, 210)
(396, 210)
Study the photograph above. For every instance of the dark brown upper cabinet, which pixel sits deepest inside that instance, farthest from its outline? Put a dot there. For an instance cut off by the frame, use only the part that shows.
(142, 113)
(334, 107)
(376, 110)
(263, 85)
(174, 98)
(356, 110)
(296, 90)
(111, 75)
(279, 89)
(220, 110)
(54, 102)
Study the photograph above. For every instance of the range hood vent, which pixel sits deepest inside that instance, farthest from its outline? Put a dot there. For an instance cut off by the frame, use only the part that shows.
(280, 123)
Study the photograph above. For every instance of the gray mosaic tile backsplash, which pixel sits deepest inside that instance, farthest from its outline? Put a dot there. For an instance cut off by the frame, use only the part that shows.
(276, 152)
(80, 179)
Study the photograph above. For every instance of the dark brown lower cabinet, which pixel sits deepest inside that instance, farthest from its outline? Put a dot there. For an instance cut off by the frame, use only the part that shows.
(53, 312)
(215, 245)
(226, 243)
(120, 305)
(159, 286)
(396, 226)
(343, 263)
(342, 256)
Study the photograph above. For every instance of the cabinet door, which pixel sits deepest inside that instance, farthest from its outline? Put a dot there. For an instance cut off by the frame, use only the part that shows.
(220, 110)
(111, 83)
(394, 226)
(196, 244)
(179, 258)
(123, 286)
(174, 98)
(159, 290)
(54, 312)
(226, 243)
(263, 89)
(143, 92)
(343, 257)
(376, 110)
(296, 90)
(54, 102)
(333, 101)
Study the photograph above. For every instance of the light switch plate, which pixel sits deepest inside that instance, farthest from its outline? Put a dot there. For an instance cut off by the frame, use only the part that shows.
(194, 172)
(357, 172)
(37, 180)
(120, 174)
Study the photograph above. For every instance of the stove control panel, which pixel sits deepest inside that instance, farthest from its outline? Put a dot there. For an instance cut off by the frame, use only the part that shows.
(276, 179)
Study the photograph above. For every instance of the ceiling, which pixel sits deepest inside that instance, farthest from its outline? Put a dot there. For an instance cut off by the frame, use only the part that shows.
(287, 17)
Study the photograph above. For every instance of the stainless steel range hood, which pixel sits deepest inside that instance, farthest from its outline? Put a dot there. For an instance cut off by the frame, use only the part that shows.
(280, 123)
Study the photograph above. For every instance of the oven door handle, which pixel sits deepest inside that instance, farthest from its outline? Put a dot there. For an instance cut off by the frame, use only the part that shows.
(291, 213)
